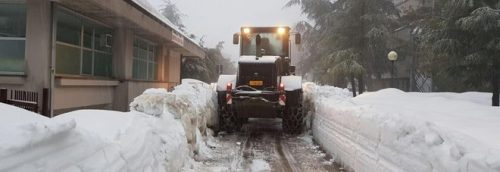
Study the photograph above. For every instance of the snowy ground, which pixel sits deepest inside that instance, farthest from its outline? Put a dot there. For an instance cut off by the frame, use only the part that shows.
(261, 147)
(388, 130)
(163, 132)
(391, 130)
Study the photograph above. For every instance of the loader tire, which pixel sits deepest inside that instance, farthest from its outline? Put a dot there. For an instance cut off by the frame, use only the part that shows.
(293, 121)
(228, 120)
(293, 117)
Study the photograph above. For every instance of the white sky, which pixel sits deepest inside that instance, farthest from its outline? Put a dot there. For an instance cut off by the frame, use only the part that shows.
(218, 20)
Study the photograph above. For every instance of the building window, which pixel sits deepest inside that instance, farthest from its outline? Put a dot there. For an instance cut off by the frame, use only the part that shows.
(83, 47)
(12, 37)
(145, 65)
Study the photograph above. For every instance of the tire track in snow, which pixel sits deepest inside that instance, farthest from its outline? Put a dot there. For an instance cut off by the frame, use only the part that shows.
(264, 139)
(288, 161)
(239, 162)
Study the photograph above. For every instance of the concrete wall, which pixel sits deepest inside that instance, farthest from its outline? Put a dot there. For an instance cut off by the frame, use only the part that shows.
(122, 63)
(123, 40)
(38, 43)
(78, 96)
(78, 93)
(174, 64)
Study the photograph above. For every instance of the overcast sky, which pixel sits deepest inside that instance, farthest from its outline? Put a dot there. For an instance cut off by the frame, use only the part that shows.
(218, 20)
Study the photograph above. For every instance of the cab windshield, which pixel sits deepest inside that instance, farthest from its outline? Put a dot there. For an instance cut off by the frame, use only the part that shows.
(271, 44)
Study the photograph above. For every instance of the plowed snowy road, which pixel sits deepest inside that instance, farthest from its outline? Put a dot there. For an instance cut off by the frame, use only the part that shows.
(261, 140)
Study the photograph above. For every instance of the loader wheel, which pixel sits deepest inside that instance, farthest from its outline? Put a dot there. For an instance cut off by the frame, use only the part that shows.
(293, 120)
(293, 117)
(229, 122)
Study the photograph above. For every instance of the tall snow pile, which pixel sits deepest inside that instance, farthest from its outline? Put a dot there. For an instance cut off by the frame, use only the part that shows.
(193, 103)
(159, 134)
(89, 140)
(391, 130)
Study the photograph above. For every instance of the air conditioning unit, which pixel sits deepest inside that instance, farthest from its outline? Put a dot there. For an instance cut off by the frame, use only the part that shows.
(106, 40)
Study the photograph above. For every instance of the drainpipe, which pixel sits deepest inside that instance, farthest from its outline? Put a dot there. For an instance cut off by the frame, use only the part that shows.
(52, 69)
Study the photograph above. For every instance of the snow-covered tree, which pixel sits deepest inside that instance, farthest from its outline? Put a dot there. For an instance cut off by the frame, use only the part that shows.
(346, 66)
(205, 69)
(360, 26)
(172, 13)
(467, 38)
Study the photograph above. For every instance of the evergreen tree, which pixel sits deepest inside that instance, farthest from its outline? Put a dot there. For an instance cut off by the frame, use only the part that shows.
(346, 66)
(172, 13)
(360, 26)
(468, 39)
(205, 69)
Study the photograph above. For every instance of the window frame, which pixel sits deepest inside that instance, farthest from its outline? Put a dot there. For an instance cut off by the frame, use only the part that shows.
(82, 47)
(155, 61)
(13, 2)
(249, 40)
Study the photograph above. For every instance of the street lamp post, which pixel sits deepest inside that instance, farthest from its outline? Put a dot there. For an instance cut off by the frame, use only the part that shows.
(392, 56)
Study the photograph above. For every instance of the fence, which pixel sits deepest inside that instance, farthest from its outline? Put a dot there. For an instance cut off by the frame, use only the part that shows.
(28, 100)
(399, 83)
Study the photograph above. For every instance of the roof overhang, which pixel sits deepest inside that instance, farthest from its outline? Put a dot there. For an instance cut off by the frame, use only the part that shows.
(132, 15)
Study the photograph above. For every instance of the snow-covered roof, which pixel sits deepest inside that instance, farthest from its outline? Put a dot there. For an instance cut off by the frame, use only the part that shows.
(253, 59)
(145, 5)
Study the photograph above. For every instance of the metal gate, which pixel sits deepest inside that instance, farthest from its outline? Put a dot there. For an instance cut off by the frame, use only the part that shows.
(28, 100)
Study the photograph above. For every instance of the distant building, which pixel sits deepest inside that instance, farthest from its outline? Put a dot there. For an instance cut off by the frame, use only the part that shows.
(96, 54)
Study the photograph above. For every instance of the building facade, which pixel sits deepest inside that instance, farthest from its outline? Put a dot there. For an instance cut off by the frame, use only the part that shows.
(97, 54)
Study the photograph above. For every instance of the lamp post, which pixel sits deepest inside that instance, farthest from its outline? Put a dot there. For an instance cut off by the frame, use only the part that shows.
(392, 56)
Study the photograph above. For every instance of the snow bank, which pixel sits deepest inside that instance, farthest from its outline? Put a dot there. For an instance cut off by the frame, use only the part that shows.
(193, 103)
(472, 97)
(161, 133)
(391, 130)
(90, 140)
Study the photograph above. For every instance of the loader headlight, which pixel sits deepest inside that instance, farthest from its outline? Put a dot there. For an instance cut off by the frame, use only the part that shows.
(246, 30)
(281, 30)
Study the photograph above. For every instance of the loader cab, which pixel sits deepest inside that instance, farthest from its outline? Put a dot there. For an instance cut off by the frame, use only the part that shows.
(264, 56)
(264, 41)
